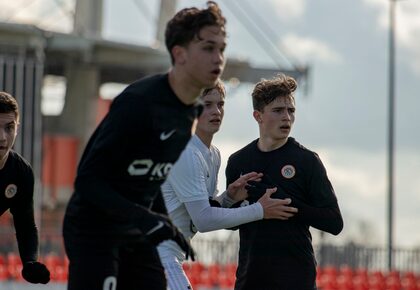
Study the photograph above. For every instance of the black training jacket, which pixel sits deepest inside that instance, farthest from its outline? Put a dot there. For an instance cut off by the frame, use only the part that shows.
(127, 159)
(16, 194)
(277, 254)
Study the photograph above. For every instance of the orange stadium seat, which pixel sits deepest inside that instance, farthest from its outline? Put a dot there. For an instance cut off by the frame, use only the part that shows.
(360, 283)
(226, 280)
(206, 280)
(14, 266)
(60, 274)
(214, 270)
(52, 260)
(409, 281)
(346, 271)
(2, 260)
(377, 280)
(4, 275)
(55, 264)
(344, 282)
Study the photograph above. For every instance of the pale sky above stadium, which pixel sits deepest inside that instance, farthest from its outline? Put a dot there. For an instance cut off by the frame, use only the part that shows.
(343, 115)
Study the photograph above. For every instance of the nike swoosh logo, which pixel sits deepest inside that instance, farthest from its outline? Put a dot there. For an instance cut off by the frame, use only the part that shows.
(155, 228)
(166, 135)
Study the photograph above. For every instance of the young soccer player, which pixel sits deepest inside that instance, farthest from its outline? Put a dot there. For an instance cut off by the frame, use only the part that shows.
(17, 192)
(278, 254)
(117, 216)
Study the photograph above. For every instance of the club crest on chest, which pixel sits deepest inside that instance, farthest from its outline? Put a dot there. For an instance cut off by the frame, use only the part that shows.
(10, 191)
(288, 171)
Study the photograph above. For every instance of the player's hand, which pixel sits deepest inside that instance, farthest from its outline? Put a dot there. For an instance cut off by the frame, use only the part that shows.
(275, 208)
(35, 272)
(237, 189)
(162, 228)
(256, 189)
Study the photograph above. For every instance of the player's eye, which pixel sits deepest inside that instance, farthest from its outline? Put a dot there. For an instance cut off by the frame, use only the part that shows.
(209, 48)
(10, 128)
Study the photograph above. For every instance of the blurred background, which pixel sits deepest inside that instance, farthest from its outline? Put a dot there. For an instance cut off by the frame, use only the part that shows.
(358, 67)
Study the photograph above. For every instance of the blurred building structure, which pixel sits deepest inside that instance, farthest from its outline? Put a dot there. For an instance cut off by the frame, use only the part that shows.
(53, 144)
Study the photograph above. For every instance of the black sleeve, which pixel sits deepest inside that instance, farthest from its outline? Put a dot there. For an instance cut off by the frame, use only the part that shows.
(231, 176)
(92, 182)
(326, 219)
(159, 204)
(24, 221)
(321, 209)
(231, 172)
(110, 201)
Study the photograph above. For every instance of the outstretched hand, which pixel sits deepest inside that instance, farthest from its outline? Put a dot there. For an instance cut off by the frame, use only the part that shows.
(237, 190)
(35, 272)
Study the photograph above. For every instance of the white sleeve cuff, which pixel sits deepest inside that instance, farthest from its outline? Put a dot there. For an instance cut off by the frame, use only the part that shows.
(207, 218)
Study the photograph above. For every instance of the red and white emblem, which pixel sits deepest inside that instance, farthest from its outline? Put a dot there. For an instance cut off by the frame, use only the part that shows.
(288, 171)
(10, 191)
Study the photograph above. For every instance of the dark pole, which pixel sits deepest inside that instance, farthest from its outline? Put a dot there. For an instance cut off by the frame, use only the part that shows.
(391, 108)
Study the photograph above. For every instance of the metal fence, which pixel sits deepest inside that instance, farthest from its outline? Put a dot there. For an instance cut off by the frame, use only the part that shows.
(355, 256)
(210, 251)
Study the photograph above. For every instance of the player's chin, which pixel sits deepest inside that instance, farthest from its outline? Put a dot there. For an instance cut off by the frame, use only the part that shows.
(213, 79)
(215, 130)
(284, 133)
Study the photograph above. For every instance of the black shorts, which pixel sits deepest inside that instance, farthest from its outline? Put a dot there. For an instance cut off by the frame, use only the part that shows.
(100, 265)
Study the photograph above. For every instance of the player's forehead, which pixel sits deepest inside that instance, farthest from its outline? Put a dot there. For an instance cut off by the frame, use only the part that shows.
(213, 96)
(283, 102)
(214, 35)
(7, 118)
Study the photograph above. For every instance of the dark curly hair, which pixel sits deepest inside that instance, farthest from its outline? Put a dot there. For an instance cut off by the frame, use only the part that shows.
(187, 23)
(8, 104)
(267, 91)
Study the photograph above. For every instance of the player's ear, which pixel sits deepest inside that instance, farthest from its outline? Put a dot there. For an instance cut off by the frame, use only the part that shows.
(179, 53)
(257, 116)
(17, 127)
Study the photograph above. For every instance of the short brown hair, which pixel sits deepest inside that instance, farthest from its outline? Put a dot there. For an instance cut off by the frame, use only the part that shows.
(220, 87)
(267, 91)
(8, 104)
(187, 23)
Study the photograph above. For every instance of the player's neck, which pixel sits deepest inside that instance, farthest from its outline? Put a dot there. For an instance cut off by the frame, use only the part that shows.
(267, 144)
(204, 137)
(183, 88)
(3, 161)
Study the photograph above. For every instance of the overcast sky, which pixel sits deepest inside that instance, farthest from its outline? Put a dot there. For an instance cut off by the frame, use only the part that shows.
(343, 115)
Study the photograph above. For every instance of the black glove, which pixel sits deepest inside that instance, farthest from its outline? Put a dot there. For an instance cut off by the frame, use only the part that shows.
(185, 245)
(161, 229)
(35, 272)
(214, 203)
(256, 189)
(240, 203)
